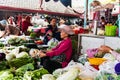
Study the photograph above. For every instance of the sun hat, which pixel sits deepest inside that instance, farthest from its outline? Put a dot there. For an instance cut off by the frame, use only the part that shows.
(67, 29)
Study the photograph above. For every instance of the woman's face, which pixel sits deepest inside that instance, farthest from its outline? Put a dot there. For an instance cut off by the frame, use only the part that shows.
(53, 22)
(63, 34)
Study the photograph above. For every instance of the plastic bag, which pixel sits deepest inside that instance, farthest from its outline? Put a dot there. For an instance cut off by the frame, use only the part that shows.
(109, 57)
(91, 52)
(106, 76)
(108, 66)
(75, 64)
(82, 59)
(89, 72)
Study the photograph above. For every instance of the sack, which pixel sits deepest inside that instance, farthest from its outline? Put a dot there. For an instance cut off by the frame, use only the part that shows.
(60, 58)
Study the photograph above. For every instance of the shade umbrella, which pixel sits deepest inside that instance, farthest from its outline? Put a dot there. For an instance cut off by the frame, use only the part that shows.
(66, 2)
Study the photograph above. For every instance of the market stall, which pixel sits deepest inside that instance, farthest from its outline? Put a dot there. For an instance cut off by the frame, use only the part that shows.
(20, 54)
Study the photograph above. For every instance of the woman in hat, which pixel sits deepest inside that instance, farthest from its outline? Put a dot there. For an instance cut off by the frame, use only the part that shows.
(59, 56)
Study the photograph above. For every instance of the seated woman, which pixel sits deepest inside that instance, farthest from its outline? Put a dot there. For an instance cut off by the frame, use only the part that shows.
(59, 56)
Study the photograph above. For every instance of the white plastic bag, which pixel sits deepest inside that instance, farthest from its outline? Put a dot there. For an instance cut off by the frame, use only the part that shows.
(108, 66)
(89, 72)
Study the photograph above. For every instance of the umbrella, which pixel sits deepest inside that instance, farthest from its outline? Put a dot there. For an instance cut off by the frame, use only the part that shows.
(66, 2)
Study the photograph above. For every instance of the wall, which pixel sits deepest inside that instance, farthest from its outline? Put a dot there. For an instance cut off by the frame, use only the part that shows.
(93, 41)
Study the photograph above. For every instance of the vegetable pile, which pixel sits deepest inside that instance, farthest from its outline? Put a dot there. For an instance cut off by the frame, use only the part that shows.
(16, 41)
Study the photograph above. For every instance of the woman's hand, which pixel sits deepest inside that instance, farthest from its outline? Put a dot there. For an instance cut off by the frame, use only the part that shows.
(41, 54)
(49, 50)
(105, 49)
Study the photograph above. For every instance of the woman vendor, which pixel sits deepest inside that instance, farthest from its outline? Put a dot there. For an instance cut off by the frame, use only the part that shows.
(59, 56)
(53, 28)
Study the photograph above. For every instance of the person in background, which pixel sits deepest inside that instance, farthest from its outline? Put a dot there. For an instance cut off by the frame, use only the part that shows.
(25, 24)
(11, 21)
(3, 24)
(96, 6)
(103, 23)
(19, 20)
(62, 22)
(107, 49)
(54, 29)
(52, 41)
(47, 21)
(10, 30)
(59, 56)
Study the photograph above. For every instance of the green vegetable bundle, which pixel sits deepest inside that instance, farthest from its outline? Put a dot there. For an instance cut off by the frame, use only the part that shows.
(1, 44)
(20, 71)
(6, 75)
(18, 62)
(33, 35)
(3, 65)
(35, 75)
(16, 41)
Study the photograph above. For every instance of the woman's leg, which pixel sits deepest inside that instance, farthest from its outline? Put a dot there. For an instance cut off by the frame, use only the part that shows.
(51, 65)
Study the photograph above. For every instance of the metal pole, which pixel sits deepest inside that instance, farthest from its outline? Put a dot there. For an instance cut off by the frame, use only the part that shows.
(119, 24)
(86, 13)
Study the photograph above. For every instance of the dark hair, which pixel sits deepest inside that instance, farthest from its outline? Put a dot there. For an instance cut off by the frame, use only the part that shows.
(102, 17)
(53, 18)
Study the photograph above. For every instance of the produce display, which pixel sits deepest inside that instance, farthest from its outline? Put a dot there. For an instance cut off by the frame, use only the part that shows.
(17, 63)
(33, 35)
(16, 41)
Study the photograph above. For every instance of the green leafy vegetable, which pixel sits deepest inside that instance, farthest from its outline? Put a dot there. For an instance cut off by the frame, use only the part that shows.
(35, 75)
(6, 75)
(18, 62)
(3, 65)
(1, 44)
(20, 71)
(22, 55)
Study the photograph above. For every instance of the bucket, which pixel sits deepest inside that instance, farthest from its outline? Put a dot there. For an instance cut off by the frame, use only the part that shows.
(117, 68)
(110, 30)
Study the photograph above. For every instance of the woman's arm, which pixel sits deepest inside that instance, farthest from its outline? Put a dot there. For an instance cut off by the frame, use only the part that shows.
(62, 48)
(108, 49)
(115, 54)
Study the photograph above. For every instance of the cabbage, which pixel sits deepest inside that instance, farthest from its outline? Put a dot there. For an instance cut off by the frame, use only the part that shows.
(10, 56)
(72, 74)
(22, 55)
(6, 75)
(28, 75)
(15, 51)
(35, 75)
(58, 72)
(48, 77)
